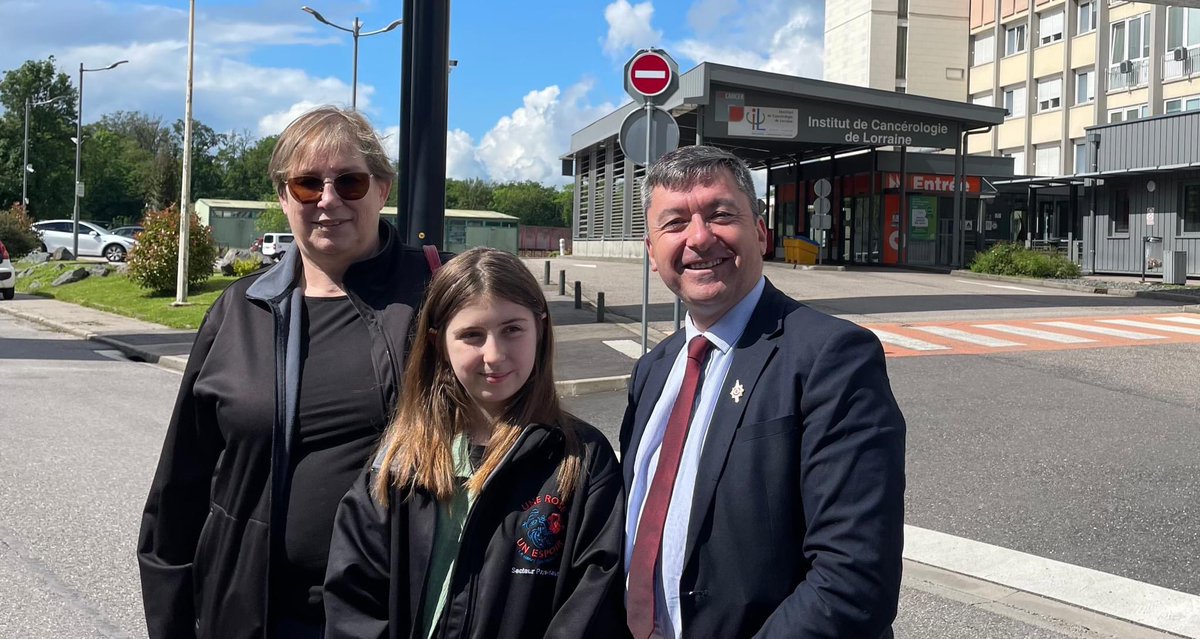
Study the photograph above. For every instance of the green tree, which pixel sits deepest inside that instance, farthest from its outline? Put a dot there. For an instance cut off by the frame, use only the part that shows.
(244, 167)
(207, 176)
(272, 220)
(533, 203)
(113, 191)
(565, 198)
(51, 127)
(471, 194)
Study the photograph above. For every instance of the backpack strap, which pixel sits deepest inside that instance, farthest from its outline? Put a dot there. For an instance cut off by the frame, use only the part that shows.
(432, 257)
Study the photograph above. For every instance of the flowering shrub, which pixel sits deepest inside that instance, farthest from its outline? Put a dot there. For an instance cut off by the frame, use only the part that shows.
(242, 268)
(154, 261)
(16, 233)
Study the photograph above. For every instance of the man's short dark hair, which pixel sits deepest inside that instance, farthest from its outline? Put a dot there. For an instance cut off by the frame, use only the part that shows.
(688, 166)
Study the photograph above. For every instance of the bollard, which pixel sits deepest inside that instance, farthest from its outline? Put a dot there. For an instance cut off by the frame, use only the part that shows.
(562, 282)
(578, 294)
(546, 277)
(600, 307)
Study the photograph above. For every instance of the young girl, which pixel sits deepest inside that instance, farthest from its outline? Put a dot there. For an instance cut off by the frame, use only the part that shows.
(489, 511)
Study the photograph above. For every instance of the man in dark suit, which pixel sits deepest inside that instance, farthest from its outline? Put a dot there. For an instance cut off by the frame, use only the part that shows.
(764, 461)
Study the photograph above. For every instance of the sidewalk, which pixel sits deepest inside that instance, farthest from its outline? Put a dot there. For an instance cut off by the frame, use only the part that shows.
(583, 364)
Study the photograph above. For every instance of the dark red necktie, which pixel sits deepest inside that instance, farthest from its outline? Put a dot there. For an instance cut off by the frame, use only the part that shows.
(648, 542)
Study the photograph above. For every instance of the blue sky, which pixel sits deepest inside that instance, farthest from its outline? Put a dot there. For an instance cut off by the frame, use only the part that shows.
(529, 73)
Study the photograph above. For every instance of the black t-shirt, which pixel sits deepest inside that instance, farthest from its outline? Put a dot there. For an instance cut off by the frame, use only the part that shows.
(340, 416)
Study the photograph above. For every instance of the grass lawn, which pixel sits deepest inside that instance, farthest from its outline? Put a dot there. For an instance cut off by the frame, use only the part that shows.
(118, 294)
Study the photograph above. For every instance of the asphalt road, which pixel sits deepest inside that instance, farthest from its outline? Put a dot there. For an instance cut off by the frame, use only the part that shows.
(1084, 456)
(79, 438)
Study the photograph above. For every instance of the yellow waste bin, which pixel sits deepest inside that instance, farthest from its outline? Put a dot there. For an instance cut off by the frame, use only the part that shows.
(800, 250)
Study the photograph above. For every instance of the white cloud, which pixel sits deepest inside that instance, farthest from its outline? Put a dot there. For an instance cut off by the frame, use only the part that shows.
(779, 36)
(629, 27)
(462, 159)
(527, 144)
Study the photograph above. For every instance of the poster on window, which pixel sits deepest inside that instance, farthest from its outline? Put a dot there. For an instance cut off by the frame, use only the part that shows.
(922, 221)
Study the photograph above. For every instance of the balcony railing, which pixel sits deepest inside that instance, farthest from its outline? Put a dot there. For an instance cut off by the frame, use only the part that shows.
(1174, 69)
(1128, 75)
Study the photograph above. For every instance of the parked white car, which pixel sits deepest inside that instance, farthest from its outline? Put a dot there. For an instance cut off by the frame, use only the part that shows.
(94, 240)
(274, 245)
(8, 275)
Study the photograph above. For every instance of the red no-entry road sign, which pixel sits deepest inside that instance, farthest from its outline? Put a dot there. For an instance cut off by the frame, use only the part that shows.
(650, 73)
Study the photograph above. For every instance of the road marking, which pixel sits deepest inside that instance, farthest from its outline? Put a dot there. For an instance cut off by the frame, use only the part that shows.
(1181, 320)
(585, 265)
(1154, 606)
(1102, 330)
(963, 336)
(1060, 338)
(1182, 330)
(625, 347)
(910, 343)
(1004, 286)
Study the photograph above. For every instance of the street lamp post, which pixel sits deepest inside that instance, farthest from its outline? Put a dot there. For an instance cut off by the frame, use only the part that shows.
(78, 152)
(26, 167)
(356, 31)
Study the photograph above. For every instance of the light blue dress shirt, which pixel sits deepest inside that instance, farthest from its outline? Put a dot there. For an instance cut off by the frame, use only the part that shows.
(724, 335)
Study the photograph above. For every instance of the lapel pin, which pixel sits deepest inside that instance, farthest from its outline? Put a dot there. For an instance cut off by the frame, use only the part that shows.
(736, 392)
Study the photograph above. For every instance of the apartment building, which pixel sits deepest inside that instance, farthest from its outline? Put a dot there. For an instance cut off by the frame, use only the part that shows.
(909, 46)
(1059, 66)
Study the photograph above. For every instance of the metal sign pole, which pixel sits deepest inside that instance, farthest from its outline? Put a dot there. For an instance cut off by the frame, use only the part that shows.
(645, 248)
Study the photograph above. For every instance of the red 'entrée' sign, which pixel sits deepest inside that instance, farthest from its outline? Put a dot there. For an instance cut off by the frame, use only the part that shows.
(649, 74)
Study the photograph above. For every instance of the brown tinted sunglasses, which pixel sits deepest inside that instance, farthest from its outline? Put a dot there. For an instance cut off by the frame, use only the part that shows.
(349, 186)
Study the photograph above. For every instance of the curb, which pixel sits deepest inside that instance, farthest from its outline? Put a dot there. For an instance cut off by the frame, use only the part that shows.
(566, 388)
(578, 387)
(1081, 288)
(172, 362)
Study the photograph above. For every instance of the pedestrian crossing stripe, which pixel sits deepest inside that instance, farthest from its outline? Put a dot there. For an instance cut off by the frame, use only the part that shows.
(975, 338)
(906, 342)
(964, 336)
(1155, 327)
(1104, 330)
(1036, 333)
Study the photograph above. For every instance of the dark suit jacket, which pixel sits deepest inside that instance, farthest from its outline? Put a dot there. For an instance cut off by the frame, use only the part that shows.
(797, 518)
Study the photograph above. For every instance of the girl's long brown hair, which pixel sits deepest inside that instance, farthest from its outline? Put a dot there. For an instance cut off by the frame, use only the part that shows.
(434, 407)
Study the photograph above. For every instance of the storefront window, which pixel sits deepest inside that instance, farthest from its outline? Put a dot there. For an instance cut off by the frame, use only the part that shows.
(1120, 215)
(1189, 219)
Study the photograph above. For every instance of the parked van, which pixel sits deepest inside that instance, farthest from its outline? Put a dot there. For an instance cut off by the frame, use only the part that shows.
(274, 245)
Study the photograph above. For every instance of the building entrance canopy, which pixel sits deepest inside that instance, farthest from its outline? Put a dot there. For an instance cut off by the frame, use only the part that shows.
(774, 121)
(769, 119)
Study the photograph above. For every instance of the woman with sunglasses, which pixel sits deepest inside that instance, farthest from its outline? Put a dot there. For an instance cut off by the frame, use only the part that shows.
(288, 387)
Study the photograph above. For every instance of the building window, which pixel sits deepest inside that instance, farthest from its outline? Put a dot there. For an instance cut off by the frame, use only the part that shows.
(1046, 160)
(1120, 216)
(1014, 39)
(1085, 17)
(1189, 218)
(1085, 86)
(1049, 94)
(1130, 39)
(1050, 27)
(1018, 158)
(983, 99)
(1014, 101)
(1128, 113)
(1179, 105)
(983, 49)
(1183, 27)
(1081, 159)
(901, 53)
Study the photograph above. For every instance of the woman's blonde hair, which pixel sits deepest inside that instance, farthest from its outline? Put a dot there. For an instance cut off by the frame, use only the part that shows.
(434, 407)
(328, 130)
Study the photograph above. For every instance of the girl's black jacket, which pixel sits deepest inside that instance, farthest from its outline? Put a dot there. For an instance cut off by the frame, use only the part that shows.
(529, 565)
